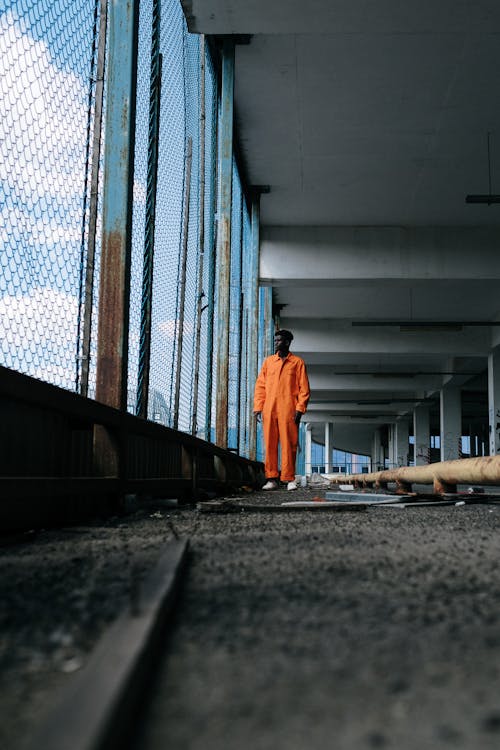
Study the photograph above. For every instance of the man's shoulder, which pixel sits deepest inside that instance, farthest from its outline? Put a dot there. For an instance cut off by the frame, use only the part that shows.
(295, 358)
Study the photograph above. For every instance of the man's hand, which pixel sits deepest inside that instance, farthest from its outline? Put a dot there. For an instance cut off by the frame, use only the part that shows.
(298, 417)
(258, 416)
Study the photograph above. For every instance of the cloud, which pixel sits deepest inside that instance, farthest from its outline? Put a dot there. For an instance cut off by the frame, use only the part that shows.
(43, 119)
(38, 335)
(43, 130)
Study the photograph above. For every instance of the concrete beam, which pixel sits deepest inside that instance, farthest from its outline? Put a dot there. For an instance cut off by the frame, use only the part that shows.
(353, 408)
(321, 378)
(318, 16)
(321, 335)
(328, 254)
(375, 419)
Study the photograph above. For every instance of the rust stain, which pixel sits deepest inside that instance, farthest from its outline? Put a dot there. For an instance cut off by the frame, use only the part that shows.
(111, 315)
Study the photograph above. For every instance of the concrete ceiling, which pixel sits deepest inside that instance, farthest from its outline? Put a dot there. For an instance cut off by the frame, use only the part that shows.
(369, 122)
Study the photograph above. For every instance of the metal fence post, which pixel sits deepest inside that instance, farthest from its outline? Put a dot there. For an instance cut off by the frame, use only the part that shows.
(224, 241)
(94, 197)
(114, 291)
(112, 348)
(253, 321)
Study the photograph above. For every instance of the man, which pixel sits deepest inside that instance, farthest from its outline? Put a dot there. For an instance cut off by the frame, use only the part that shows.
(281, 397)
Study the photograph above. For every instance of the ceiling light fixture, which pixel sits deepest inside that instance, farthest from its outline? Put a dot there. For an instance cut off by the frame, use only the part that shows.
(489, 199)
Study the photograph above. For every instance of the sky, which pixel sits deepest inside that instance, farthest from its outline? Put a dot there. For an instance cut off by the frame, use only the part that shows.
(42, 143)
(44, 82)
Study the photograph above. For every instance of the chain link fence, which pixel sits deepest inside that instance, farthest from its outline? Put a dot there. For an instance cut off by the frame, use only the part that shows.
(47, 84)
(50, 251)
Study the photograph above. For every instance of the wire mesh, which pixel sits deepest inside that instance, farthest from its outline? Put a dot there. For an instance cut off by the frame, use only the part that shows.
(47, 80)
(48, 57)
(168, 223)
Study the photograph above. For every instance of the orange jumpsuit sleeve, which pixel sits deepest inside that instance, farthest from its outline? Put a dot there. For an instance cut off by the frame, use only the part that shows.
(304, 390)
(260, 389)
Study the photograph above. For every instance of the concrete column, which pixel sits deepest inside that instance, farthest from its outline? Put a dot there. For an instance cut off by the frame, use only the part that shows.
(301, 459)
(421, 431)
(328, 447)
(401, 447)
(376, 451)
(451, 422)
(308, 449)
(494, 402)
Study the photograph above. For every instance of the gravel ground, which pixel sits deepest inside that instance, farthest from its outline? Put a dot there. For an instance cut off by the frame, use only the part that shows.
(376, 629)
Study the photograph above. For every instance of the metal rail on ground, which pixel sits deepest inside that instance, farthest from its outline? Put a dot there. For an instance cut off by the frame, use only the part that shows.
(97, 709)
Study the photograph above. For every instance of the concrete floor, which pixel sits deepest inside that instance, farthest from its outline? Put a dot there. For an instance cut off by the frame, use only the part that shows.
(375, 629)
(351, 630)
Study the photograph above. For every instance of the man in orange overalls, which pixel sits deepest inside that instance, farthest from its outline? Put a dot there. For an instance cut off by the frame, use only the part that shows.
(280, 400)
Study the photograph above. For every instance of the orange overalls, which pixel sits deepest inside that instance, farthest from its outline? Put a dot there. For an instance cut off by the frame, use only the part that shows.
(281, 389)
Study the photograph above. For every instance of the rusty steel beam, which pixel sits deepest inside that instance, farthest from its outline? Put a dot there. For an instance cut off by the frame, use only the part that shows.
(224, 241)
(112, 347)
(443, 475)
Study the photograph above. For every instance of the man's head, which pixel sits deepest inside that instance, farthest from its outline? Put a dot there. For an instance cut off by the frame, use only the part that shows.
(282, 341)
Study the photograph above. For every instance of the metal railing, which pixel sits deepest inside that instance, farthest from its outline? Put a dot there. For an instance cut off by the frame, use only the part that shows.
(63, 456)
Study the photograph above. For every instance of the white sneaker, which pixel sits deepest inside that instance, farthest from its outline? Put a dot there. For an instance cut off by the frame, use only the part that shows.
(270, 485)
(291, 486)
